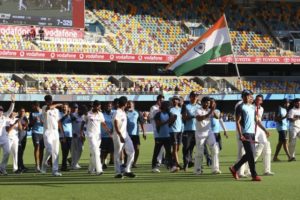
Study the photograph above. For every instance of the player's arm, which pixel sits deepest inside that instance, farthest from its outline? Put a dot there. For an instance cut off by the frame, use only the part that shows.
(292, 117)
(141, 122)
(106, 128)
(116, 124)
(203, 117)
(260, 125)
(57, 105)
(11, 107)
(223, 127)
(12, 126)
(238, 117)
(82, 137)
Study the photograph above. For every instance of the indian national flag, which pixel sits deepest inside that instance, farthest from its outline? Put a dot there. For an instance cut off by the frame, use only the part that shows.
(212, 44)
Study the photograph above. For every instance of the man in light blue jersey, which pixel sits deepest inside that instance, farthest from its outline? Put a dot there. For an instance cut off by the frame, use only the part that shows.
(134, 119)
(107, 145)
(77, 116)
(188, 136)
(175, 132)
(282, 128)
(37, 129)
(162, 135)
(216, 124)
(246, 122)
(66, 134)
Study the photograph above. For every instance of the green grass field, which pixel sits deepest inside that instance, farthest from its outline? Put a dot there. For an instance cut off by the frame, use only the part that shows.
(182, 185)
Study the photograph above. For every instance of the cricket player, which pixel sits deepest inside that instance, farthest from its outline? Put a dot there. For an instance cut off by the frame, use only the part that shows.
(163, 119)
(107, 145)
(51, 117)
(188, 136)
(204, 135)
(134, 121)
(66, 133)
(77, 116)
(13, 138)
(37, 129)
(22, 133)
(122, 140)
(216, 123)
(175, 132)
(153, 110)
(294, 132)
(282, 128)
(263, 146)
(94, 120)
(4, 141)
(246, 122)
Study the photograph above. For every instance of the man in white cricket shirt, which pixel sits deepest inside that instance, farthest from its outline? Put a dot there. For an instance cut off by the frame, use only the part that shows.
(4, 143)
(94, 120)
(204, 135)
(122, 140)
(294, 132)
(51, 117)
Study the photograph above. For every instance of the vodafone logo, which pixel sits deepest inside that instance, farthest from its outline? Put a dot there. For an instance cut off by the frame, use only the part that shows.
(52, 55)
(22, 53)
(287, 60)
(81, 56)
(111, 56)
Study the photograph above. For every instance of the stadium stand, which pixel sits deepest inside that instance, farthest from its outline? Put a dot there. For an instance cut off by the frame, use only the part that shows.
(15, 42)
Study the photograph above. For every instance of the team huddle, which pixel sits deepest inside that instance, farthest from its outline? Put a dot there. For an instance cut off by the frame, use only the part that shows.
(113, 128)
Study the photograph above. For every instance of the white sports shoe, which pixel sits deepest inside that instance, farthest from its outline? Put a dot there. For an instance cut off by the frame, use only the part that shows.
(56, 174)
(3, 172)
(155, 170)
(198, 172)
(269, 174)
(217, 172)
(174, 169)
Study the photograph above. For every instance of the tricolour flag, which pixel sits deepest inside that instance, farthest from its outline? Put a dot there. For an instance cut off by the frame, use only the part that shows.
(214, 43)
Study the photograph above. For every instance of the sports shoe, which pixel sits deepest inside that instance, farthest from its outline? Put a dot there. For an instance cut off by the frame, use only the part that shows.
(43, 171)
(269, 174)
(174, 169)
(276, 160)
(198, 172)
(256, 178)
(155, 170)
(3, 172)
(99, 173)
(234, 173)
(134, 166)
(129, 174)
(18, 172)
(104, 166)
(292, 159)
(56, 174)
(217, 172)
(120, 176)
(242, 176)
(69, 161)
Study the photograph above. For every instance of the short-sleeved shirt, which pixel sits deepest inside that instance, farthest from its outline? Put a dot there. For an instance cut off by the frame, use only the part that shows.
(37, 126)
(282, 125)
(247, 113)
(176, 127)
(121, 117)
(66, 123)
(294, 112)
(203, 127)
(108, 117)
(93, 122)
(190, 125)
(76, 123)
(162, 131)
(215, 123)
(153, 111)
(133, 119)
(51, 118)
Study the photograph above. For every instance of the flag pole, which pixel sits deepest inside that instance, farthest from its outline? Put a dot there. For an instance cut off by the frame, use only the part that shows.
(234, 56)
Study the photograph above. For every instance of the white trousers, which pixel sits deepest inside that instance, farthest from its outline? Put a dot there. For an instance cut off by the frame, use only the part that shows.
(244, 170)
(95, 161)
(13, 148)
(129, 149)
(76, 150)
(263, 148)
(4, 145)
(214, 148)
(51, 142)
(293, 134)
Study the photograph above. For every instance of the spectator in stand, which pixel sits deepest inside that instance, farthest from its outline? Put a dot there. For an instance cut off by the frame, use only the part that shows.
(32, 33)
(42, 33)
